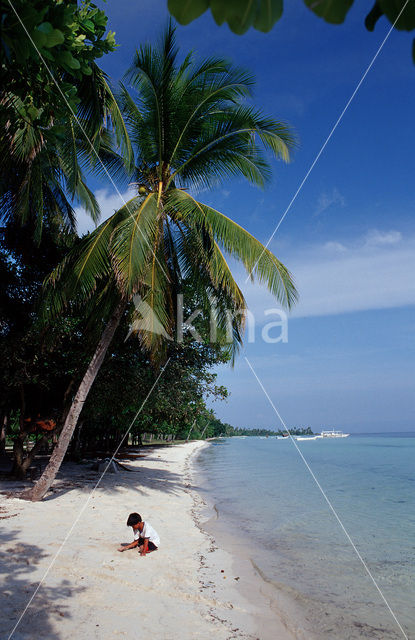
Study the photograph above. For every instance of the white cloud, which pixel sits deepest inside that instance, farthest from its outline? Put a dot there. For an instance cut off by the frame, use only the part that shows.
(378, 238)
(336, 247)
(327, 200)
(334, 278)
(373, 272)
(109, 202)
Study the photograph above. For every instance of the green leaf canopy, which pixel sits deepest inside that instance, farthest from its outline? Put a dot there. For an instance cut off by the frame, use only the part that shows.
(190, 127)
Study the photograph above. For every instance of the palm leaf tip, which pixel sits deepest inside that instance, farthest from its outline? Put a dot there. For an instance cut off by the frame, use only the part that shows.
(238, 243)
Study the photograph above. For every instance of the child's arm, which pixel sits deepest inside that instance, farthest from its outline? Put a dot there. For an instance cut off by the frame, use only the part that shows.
(129, 546)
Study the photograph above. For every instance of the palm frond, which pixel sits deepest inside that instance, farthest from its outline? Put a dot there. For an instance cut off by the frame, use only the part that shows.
(75, 280)
(213, 284)
(87, 199)
(209, 87)
(98, 106)
(152, 74)
(238, 243)
(226, 145)
(189, 126)
(152, 320)
(120, 129)
(132, 243)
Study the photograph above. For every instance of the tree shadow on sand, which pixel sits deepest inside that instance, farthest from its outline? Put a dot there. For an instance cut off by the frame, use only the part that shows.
(139, 478)
(18, 565)
(139, 474)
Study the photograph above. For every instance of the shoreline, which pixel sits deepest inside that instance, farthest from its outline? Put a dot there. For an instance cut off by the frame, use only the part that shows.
(315, 582)
(187, 589)
(272, 611)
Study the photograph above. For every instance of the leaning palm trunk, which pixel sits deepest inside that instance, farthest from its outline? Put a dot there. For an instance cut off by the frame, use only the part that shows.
(38, 491)
(191, 128)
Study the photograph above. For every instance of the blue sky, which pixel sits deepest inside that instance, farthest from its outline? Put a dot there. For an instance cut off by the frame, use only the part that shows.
(349, 237)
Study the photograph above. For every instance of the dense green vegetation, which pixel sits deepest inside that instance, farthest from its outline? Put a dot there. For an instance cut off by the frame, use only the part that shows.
(58, 114)
(48, 53)
(88, 323)
(295, 431)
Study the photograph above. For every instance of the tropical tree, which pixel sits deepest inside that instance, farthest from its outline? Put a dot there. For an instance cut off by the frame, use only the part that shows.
(43, 167)
(55, 127)
(47, 48)
(190, 127)
(126, 378)
(38, 365)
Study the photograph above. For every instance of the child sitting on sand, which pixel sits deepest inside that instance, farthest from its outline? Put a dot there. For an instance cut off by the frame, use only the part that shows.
(145, 537)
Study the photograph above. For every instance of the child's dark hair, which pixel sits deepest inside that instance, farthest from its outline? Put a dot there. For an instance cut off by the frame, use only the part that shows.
(133, 518)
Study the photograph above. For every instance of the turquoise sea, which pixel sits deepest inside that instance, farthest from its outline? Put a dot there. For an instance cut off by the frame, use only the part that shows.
(266, 498)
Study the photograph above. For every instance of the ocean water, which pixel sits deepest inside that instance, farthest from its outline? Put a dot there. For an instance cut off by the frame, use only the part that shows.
(266, 497)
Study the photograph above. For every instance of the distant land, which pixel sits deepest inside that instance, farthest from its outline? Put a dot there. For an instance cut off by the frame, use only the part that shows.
(295, 431)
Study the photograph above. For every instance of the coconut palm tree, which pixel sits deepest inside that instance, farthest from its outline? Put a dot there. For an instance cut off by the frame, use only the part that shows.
(43, 167)
(190, 128)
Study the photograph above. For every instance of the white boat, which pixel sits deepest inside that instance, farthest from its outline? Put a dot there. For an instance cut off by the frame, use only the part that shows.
(307, 437)
(331, 433)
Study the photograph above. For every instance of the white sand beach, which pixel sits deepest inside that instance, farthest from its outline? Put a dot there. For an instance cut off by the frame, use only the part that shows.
(184, 590)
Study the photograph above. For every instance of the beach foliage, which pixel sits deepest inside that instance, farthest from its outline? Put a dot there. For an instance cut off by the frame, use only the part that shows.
(56, 127)
(125, 380)
(39, 365)
(41, 368)
(190, 126)
(48, 48)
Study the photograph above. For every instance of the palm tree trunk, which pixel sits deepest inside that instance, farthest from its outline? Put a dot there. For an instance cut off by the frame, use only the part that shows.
(38, 491)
